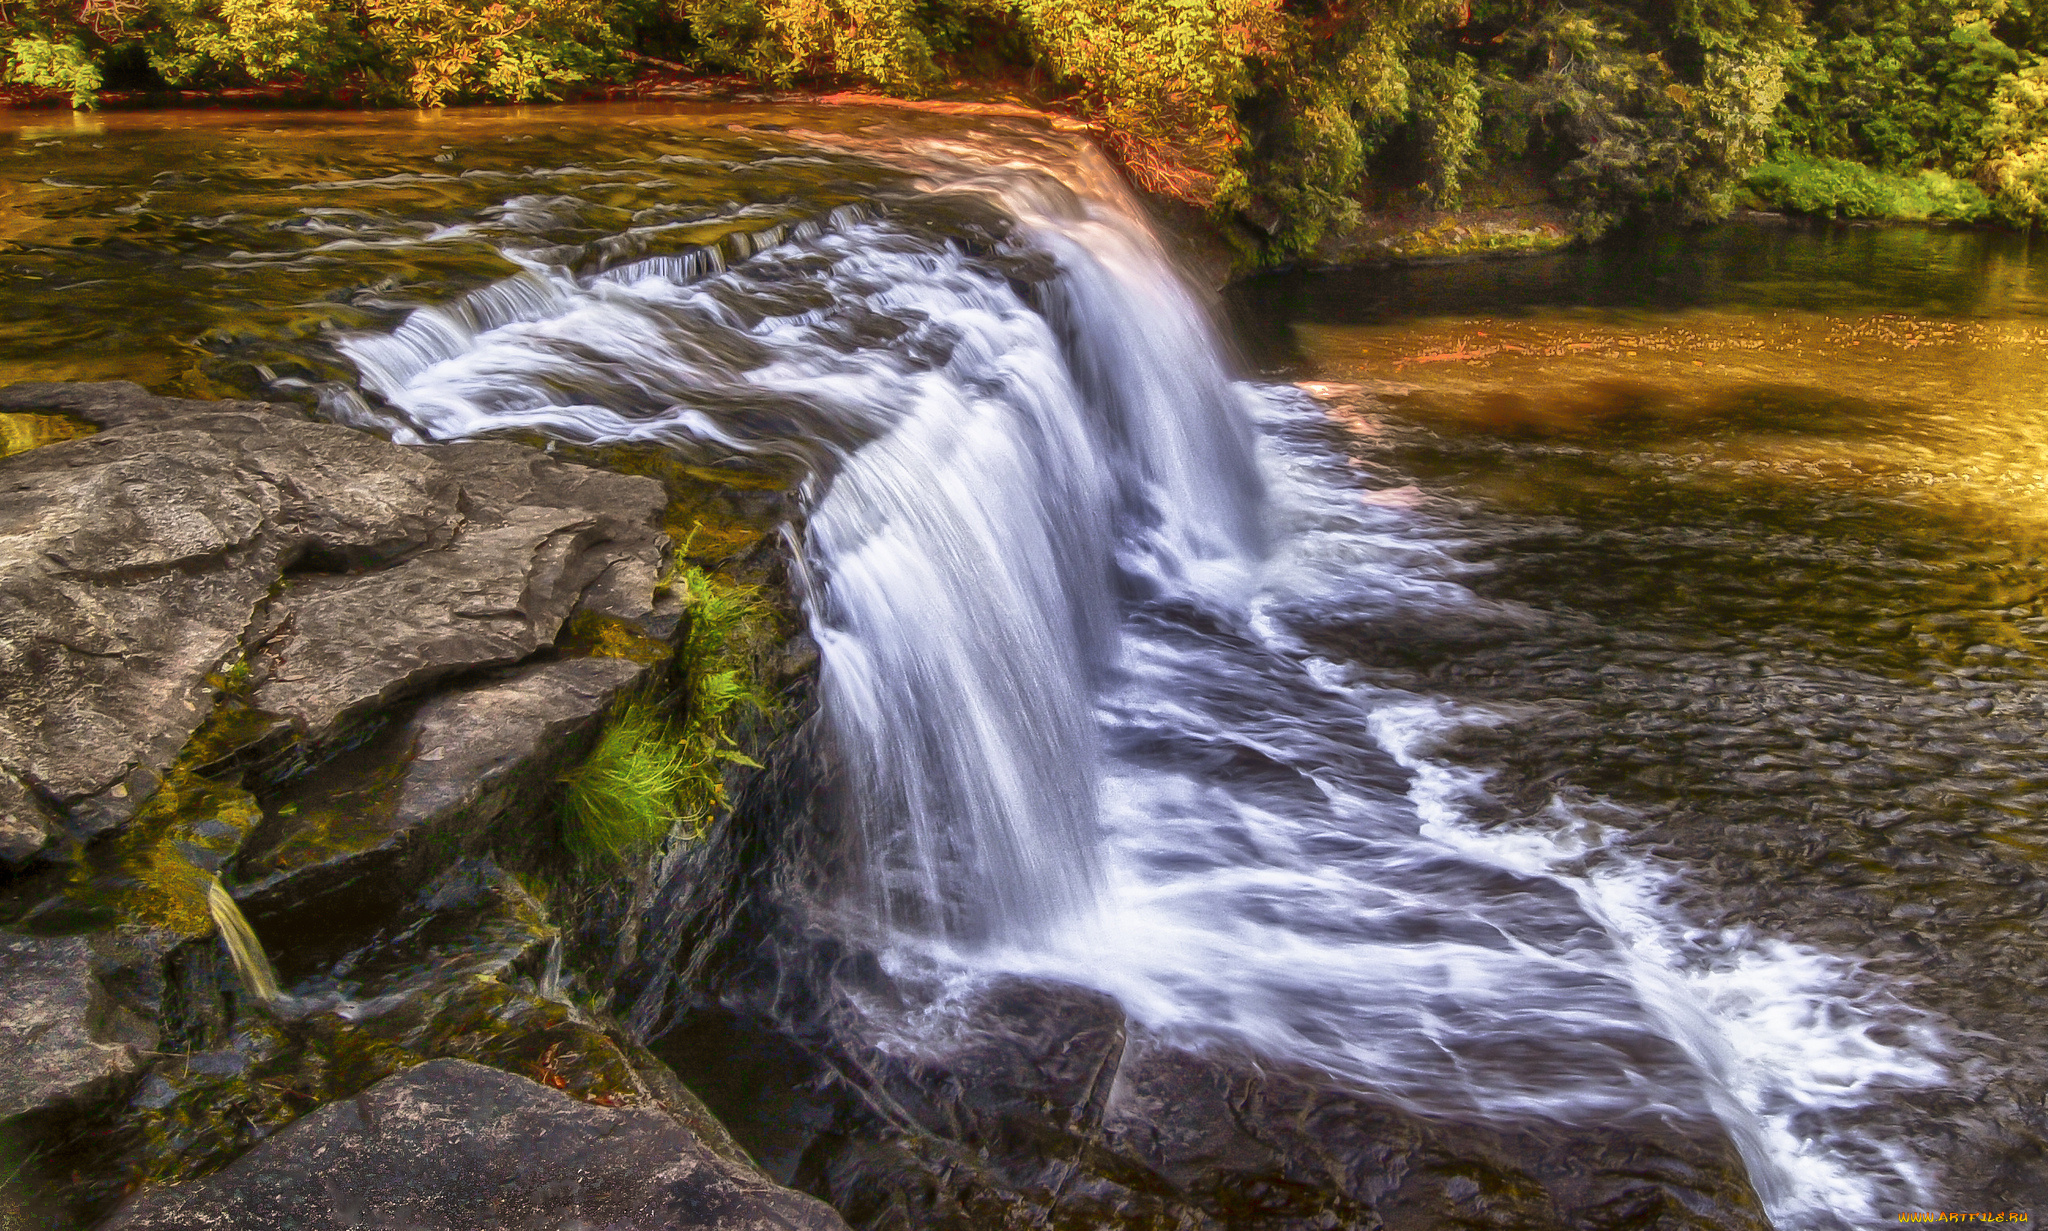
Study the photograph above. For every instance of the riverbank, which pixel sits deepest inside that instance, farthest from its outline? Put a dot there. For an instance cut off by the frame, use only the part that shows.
(1507, 211)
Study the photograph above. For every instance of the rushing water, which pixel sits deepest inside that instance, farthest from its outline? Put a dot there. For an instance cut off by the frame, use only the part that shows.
(1607, 691)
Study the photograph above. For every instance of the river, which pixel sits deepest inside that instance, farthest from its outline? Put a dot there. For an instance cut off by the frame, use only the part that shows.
(1579, 691)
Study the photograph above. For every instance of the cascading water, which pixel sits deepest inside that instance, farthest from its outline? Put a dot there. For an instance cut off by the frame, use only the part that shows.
(1061, 661)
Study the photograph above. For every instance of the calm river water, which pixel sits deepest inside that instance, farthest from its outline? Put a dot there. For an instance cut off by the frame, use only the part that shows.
(1696, 583)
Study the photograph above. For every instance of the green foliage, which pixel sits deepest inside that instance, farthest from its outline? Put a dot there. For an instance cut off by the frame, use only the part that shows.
(427, 52)
(1274, 112)
(1838, 188)
(624, 796)
(517, 50)
(659, 764)
(1328, 96)
(1163, 80)
(2015, 140)
(885, 42)
(55, 46)
(1444, 97)
(1899, 84)
(1631, 113)
(1907, 85)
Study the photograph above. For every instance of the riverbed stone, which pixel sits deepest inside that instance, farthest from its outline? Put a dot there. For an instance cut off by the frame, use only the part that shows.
(454, 1146)
(59, 1037)
(465, 772)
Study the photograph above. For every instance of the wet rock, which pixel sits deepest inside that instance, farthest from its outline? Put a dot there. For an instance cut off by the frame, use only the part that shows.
(466, 772)
(26, 826)
(137, 562)
(129, 566)
(540, 542)
(1036, 1104)
(59, 1037)
(1048, 1051)
(114, 403)
(1188, 1139)
(1282, 1145)
(452, 1145)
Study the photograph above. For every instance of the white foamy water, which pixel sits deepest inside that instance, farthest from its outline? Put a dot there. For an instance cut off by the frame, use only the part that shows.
(1059, 566)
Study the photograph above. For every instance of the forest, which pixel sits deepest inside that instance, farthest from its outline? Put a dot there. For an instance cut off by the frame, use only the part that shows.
(1284, 115)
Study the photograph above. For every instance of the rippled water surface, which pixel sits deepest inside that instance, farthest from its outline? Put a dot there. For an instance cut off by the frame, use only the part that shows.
(182, 249)
(1754, 522)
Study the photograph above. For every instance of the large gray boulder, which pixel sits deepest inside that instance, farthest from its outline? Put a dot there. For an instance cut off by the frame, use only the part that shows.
(353, 572)
(539, 541)
(455, 1146)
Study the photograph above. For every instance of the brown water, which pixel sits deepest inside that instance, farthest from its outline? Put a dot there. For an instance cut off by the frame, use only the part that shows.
(194, 251)
(1759, 522)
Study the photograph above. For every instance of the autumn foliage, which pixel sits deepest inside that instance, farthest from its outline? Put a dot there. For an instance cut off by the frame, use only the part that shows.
(1282, 116)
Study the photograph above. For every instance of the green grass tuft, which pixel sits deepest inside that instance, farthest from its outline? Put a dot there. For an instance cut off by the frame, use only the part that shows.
(659, 764)
(1837, 188)
(624, 796)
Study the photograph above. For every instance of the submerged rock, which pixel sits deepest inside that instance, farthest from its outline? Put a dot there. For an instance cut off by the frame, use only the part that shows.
(1038, 1104)
(451, 1146)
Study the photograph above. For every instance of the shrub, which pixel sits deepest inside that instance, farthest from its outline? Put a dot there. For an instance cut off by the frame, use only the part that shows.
(2015, 141)
(511, 50)
(881, 41)
(57, 46)
(1838, 188)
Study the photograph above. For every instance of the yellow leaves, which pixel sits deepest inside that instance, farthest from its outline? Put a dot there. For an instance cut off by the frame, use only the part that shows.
(2015, 139)
(1162, 79)
(513, 50)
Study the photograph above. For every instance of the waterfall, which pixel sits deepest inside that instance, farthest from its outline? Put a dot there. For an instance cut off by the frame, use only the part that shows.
(989, 474)
(1059, 566)
(251, 963)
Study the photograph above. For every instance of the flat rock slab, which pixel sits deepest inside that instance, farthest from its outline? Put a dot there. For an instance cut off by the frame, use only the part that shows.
(539, 541)
(135, 562)
(455, 1146)
(55, 1027)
